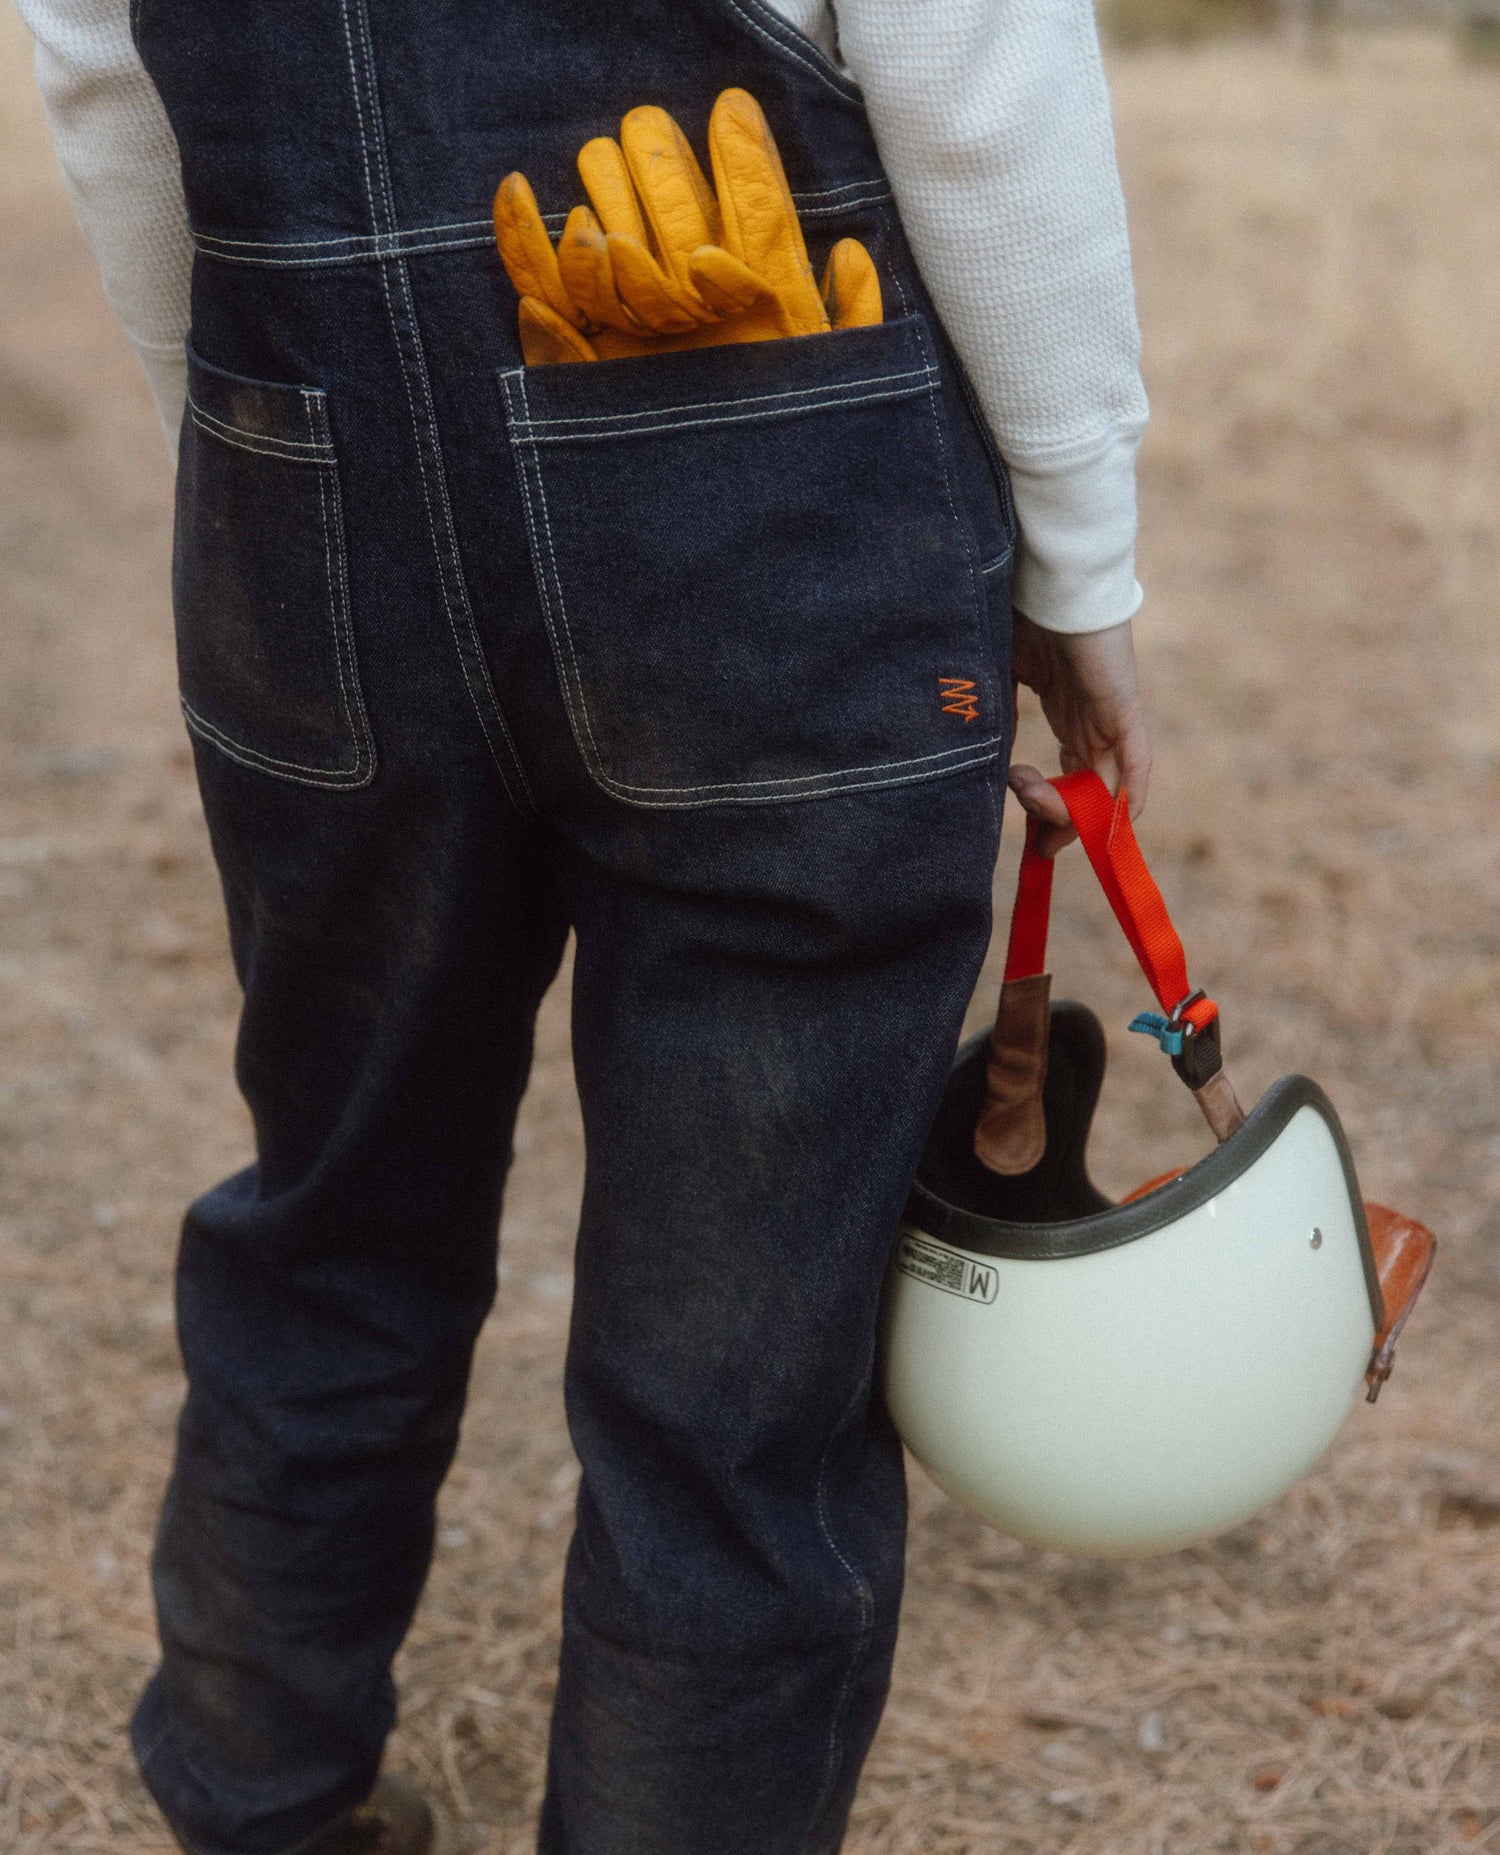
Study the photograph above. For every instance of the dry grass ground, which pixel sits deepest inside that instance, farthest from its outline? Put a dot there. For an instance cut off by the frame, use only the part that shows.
(1319, 250)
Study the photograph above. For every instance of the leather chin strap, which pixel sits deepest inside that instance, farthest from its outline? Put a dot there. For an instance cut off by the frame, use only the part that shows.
(1010, 1134)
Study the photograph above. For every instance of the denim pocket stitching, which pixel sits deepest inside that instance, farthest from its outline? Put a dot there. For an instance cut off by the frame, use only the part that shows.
(961, 529)
(512, 383)
(295, 450)
(811, 59)
(592, 756)
(812, 785)
(318, 450)
(744, 399)
(425, 438)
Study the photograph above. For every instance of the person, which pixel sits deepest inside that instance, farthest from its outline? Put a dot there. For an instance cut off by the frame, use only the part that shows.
(473, 654)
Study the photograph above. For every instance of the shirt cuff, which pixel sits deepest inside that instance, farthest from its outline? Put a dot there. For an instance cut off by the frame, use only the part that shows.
(1075, 556)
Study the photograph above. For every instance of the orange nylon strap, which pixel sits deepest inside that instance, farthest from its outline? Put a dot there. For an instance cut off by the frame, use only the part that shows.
(1103, 825)
(1027, 953)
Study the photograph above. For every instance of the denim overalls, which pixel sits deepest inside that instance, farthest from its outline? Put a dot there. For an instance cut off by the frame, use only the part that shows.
(664, 650)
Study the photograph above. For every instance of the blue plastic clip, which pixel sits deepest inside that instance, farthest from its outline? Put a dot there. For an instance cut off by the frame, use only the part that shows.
(1169, 1035)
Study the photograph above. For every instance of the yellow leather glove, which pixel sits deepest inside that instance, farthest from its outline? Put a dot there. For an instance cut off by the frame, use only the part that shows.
(663, 261)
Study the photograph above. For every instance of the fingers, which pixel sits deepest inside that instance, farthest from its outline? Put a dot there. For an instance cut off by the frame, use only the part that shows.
(547, 339)
(679, 205)
(584, 261)
(651, 296)
(606, 180)
(526, 250)
(1133, 754)
(1040, 800)
(630, 259)
(851, 286)
(729, 285)
(760, 224)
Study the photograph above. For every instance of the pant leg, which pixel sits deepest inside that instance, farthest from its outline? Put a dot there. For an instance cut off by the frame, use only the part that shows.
(393, 945)
(766, 1005)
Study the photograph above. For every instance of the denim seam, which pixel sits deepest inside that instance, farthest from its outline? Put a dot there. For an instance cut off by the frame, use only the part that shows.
(335, 569)
(597, 759)
(880, 186)
(376, 216)
(814, 399)
(964, 533)
(830, 403)
(205, 239)
(337, 557)
(459, 235)
(385, 253)
(745, 399)
(866, 1615)
(825, 73)
(291, 450)
(264, 763)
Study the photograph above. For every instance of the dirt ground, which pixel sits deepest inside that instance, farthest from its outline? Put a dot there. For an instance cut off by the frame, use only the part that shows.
(1319, 256)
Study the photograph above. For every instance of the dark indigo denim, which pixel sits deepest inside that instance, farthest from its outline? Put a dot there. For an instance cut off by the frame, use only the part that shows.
(703, 657)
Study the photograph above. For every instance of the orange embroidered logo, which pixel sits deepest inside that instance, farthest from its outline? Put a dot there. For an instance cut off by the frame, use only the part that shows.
(959, 696)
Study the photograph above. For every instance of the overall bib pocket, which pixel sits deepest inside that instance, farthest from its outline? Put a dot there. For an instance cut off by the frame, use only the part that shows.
(265, 647)
(753, 570)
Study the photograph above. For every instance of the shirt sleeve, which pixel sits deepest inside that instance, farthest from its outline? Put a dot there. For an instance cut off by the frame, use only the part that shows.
(119, 157)
(993, 122)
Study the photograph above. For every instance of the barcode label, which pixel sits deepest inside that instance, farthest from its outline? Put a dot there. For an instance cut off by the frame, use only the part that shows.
(941, 1268)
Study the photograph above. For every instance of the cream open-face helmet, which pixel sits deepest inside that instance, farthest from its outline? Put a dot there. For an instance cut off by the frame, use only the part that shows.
(1123, 1379)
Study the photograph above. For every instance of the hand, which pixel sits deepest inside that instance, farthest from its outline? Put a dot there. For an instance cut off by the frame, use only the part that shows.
(1091, 698)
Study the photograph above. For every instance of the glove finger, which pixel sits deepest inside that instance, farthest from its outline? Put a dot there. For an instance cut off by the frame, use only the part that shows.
(547, 339)
(674, 193)
(760, 219)
(851, 286)
(606, 180)
(583, 259)
(526, 250)
(728, 285)
(650, 295)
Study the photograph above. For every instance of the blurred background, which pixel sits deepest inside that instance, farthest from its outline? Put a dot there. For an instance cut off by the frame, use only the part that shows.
(1315, 205)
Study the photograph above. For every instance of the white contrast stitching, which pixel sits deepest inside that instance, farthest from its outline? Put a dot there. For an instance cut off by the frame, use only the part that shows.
(265, 763)
(349, 238)
(340, 616)
(828, 77)
(449, 533)
(816, 784)
(562, 607)
(965, 535)
(849, 186)
(830, 781)
(461, 235)
(422, 461)
(745, 399)
(981, 753)
(317, 421)
(380, 253)
(740, 418)
(293, 449)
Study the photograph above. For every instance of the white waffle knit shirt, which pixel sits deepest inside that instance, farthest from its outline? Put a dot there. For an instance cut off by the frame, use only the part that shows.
(992, 119)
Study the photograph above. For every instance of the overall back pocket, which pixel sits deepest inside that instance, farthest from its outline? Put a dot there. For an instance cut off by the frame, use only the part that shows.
(753, 570)
(265, 648)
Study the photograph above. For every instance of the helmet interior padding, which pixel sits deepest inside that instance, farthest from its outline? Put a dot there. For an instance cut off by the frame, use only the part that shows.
(1056, 1189)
